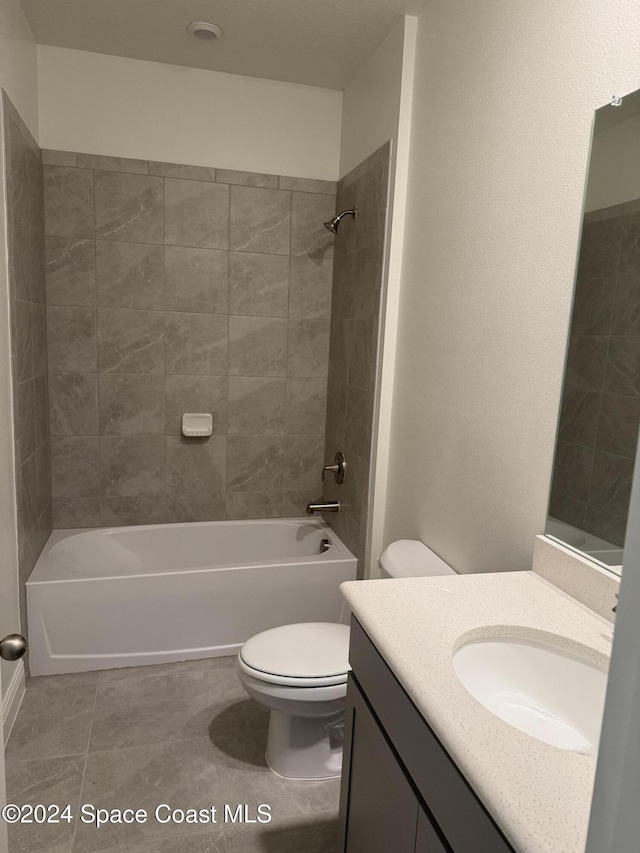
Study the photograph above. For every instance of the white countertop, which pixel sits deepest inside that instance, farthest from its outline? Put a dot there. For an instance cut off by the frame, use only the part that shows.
(539, 795)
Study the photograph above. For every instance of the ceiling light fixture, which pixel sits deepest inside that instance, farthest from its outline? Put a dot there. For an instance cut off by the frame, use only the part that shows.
(204, 30)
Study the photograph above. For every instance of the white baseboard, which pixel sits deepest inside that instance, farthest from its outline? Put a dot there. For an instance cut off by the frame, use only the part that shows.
(13, 696)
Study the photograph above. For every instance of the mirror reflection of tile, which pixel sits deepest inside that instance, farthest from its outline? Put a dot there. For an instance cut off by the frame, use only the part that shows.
(600, 410)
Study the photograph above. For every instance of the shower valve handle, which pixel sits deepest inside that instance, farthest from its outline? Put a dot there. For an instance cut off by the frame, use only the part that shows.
(338, 469)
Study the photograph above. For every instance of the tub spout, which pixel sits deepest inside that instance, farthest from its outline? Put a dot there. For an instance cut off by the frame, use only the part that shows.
(323, 506)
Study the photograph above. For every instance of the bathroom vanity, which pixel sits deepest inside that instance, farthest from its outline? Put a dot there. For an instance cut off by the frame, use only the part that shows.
(404, 793)
(427, 767)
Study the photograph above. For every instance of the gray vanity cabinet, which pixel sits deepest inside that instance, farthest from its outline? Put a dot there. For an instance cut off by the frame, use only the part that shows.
(401, 792)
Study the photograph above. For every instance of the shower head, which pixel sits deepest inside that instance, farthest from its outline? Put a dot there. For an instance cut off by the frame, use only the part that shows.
(332, 224)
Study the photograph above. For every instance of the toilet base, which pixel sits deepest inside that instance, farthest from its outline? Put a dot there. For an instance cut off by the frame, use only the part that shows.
(305, 747)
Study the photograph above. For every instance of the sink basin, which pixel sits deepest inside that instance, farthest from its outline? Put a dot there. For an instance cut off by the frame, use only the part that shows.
(546, 691)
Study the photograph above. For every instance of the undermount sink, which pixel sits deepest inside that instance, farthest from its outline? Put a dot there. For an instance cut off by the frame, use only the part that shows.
(549, 692)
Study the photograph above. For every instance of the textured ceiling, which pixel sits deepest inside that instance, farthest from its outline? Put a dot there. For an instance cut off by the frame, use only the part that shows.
(315, 42)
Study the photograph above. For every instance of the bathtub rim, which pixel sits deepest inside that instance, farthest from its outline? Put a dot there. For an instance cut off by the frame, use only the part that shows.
(41, 571)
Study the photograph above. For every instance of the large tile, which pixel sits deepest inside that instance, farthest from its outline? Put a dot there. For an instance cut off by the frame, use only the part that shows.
(196, 213)
(196, 394)
(257, 346)
(310, 288)
(600, 248)
(39, 338)
(52, 723)
(254, 463)
(196, 465)
(129, 275)
(371, 194)
(70, 271)
(586, 362)
(630, 250)
(258, 284)
(176, 170)
(336, 412)
(71, 336)
(53, 157)
(247, 179)
(306, 406)
(22, 341)
(68, 202)
(308, 348)
(605, 526)
(195, 507)
(366, 283)
(626, 308)
(579, 415)
(73, 404)
(611, 480)
(303, 462)
(618, 425)
(593, 306)
(131, 466)
(184, 771)
(130, 341)
(623, 366)
(308, 185)
(260, 220)
(196, 280)
(135, 673)
(567, 509)
(141, 509)
(254, 504)
(359, 421)
(572, 470)
(256, 406)
(196, 344)
(75, 467)
(131, 404)
(308, 234)
(44, 781)
(113, 164)
(75, 512)
(128, 207)
(177, 706)
(362, 353)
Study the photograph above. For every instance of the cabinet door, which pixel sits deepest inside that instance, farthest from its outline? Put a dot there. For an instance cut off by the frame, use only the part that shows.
(382, 810)
(427, 840)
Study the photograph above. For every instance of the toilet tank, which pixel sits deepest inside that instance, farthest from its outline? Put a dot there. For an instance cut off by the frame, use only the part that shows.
(410, 558)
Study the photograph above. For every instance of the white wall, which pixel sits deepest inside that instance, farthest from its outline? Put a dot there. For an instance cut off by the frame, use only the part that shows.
(614, 173)
(18, 67)
(101, 104)
(371, 102)
(505, 92)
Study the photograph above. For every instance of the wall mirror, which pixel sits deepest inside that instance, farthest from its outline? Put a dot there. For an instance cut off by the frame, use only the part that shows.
(600, 408)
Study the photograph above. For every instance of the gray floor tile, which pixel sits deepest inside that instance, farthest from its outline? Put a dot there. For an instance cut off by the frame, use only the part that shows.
(175, 706)
(53, 722)
(182, 774)
(184, 734)
(44, 781)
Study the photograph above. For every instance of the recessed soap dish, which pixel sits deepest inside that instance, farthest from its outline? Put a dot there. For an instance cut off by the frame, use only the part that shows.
(197, 424)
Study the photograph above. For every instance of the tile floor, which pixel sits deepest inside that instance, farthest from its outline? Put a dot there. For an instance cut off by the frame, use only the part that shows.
(185, 734)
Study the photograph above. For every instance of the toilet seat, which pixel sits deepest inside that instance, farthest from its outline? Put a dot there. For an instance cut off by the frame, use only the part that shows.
(310, 654)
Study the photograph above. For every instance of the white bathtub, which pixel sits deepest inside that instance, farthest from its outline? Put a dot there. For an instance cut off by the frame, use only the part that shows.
(126, 596)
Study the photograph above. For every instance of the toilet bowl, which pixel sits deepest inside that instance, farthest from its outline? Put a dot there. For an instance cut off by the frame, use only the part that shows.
(300, 673)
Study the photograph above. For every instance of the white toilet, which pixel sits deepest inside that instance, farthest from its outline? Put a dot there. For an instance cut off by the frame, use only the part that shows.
(300, 673)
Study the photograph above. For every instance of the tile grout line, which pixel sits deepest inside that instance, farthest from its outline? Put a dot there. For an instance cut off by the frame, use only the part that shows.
(86, 759)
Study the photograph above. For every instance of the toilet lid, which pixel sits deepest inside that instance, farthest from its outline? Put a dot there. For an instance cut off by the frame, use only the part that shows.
(307, 650)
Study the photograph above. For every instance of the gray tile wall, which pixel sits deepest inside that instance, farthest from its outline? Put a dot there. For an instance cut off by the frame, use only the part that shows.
(600, 411)
(25, 227)
(355, 315)
(176, 288)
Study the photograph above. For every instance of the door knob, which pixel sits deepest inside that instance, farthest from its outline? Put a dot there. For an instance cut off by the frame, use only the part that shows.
(12, 647)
